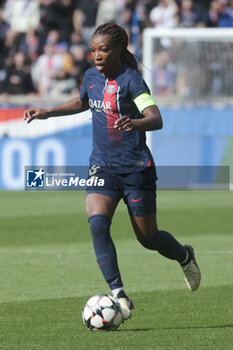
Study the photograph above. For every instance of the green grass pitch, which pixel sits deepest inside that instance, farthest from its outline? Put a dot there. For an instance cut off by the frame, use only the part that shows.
(48, 271)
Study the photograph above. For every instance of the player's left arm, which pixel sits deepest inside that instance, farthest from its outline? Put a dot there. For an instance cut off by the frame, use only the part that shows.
(152, 117)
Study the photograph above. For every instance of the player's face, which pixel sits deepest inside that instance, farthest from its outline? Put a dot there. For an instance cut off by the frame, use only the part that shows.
(105, 54)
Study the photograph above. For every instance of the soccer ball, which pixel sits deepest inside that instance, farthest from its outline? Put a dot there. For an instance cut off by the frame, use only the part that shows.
(102, 312)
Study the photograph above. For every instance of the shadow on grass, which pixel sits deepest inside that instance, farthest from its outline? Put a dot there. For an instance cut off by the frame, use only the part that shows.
(202, 327)
(174, 328)
(136, 330)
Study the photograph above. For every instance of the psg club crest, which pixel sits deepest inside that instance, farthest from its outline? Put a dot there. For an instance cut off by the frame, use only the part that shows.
(110, 89)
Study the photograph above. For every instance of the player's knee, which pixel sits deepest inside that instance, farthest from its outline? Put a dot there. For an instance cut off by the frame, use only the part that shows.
(99, 225)
(149, 242)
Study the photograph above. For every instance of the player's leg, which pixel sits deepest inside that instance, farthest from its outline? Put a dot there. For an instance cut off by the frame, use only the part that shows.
(100, 210)
(141, 202)
(148, 234)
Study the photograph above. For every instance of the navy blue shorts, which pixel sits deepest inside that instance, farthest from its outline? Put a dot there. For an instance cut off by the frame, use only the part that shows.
(137, 189)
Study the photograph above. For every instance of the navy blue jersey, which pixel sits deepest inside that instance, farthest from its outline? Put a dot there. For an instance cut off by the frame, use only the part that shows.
(109, 99)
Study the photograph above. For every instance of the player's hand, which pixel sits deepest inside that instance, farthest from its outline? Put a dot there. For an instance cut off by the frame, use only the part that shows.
(35, 113)
(124, 123)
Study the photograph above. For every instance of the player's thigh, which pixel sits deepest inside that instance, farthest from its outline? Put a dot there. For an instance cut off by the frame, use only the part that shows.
(100, 204)
(102, 200)
(141, 205)
(144, 226)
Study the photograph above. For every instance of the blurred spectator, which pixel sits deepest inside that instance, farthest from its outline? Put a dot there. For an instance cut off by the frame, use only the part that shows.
(220, 14)
(125, 17)
(52, 37)
(11, 46)
(62, 49)
(48, 19)
(230, 8)
(55, 65)
(18, 76)
(77, 39)
(164, 15)
(65, 11)
(225, 14)
(31, 43)
(62, 83)
(45, 68)
(80, 64)
(120, 4)
(22, 14)
(3, 30)
(3, 53)
(211, 18)
(108, 11)
(201, 7)
(188, 16)
(84, 18)
(4, 26)
(55, 36)
(164, 74)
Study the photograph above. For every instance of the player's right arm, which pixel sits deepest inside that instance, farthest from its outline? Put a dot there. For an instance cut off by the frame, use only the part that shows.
(73, 106)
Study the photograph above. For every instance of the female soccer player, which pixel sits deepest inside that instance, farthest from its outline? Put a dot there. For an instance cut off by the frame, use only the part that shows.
(122, 110)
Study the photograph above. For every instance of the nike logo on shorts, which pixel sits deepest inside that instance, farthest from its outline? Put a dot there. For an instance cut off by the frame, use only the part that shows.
(136, 200)
(92, 86)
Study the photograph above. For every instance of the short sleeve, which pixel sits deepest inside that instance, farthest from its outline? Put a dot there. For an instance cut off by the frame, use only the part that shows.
(137, 85)
(83, 91)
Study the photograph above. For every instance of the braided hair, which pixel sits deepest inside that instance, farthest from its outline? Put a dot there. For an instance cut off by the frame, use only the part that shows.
(120, 39)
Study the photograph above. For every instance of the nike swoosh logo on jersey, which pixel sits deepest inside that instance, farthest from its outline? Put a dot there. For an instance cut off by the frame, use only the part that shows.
(92, 86)
(136, 200)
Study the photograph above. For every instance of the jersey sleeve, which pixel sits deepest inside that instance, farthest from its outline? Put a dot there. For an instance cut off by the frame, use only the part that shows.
(83, 91)
(137, 85)
(140, 92)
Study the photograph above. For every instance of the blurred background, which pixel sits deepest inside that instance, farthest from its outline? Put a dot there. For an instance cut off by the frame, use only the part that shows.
(44, 53)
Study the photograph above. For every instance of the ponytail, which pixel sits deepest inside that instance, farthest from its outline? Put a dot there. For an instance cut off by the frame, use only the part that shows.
(128, 58)
(120, 38)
